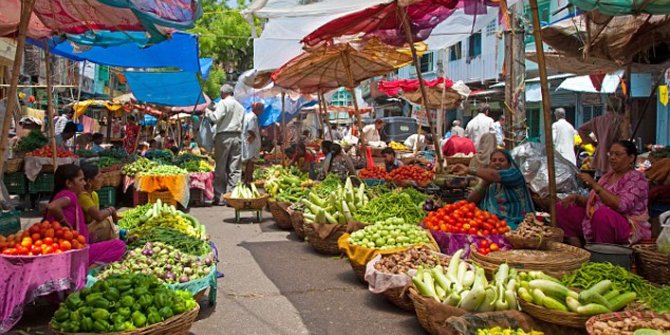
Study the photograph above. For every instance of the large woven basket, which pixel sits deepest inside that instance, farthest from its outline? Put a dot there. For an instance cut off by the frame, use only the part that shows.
(112, 178)
(298, 223)
(426, 309)
(327, 246)
(280, 214)
(256, 203)
(568, 319)
(176, 325)
(651, 264)
(519, 242)
(14, 165)
(399, 296)
(621, 316)
(557, 260)
(458, 160)
(359, 270)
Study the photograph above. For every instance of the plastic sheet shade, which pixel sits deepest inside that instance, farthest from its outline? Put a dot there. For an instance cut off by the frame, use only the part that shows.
(166, 88)
(624, 7)
(272, 112)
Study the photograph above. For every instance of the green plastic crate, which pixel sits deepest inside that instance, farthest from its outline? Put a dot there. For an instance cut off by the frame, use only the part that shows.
(16, 183)
(10, 222)
(107, 196)
(44, 183)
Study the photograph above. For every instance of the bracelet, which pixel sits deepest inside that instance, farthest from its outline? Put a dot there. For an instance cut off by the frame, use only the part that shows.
(473, 171)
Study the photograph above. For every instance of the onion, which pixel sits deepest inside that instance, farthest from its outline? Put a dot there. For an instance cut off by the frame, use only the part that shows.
(188, 271)
(147, 252)
(169, 276)
(183, 279)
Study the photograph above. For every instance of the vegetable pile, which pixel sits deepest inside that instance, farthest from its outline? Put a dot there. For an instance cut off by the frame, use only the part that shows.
(411, 258)
(465, 218)
(165, 262)
(120, 303)
(172, 237)
(140, 165)
(34, 140)
(508, 331)
(530, 227)
(42, 239)
(397, 146)
(466, 287)
(161, 215)
(47, 151)
(405, 204)
(131, 218)
(543, 290)
(411, 173)
(117, 153)
(164, 170)
(591, 273)
(193, 163)
(375, 172)
(392, 233)
(632, 325)
(241, 191)
(160, 156)
(336, 208)
(104, 162)
(286, 185)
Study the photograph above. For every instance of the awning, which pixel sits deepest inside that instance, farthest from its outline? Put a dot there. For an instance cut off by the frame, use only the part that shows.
(624, 7)
(610, 83)
(81, 106)
(166, 88)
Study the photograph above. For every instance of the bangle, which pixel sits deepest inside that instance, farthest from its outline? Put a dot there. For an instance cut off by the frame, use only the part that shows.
(473, 171)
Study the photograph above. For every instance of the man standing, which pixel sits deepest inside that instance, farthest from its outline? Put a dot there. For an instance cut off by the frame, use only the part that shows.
(498, 127)
(160, 139)
(251, 141)
(564, 136)
(227, 116)
(607, 130)
(62, 120)
(456, 129)
(480, 124)
(371, 134)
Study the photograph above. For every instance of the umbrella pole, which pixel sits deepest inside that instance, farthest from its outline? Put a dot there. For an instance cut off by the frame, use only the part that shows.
(359, 121)
(12, 101)
(50, 107)
(546, 109)
(326, 122)
(283, 128)
(424, 94)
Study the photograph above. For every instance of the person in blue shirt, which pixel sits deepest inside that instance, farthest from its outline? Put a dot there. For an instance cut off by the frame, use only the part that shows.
(97, 143)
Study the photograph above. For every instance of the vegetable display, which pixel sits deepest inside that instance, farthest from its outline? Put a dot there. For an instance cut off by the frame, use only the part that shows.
(47, 151)
(242, 191)
(409, 259)
(165, 262)
(411, 173)
(42, 239)
(286, 185)
(164, 170)
(117, 153)
(375, 172)
(34, 140)
(397, 146)
(632, 325)
(193, 163)
(167, 216)
(591, 273)
(131, 218)
(530, 227)
(405, 204)
(160, 156)
(466, 287)
(104, 162)
(120, 303)
(392, 233)
(140, 165)
(331, 183)
(172, 237)
(465, 218)
(336, 208)
(543, 290)
(508, 331)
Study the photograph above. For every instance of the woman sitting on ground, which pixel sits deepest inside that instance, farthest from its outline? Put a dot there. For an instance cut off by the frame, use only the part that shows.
(100, 222)
(502, 189)
(339, 163)
(615, 211)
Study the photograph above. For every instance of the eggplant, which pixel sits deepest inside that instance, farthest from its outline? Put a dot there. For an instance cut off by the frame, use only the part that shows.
(170, 276)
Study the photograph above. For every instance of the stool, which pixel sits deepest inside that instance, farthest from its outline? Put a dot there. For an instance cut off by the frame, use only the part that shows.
(259, 214)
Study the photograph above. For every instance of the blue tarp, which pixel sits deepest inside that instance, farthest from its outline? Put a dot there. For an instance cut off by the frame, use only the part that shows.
(180, 51)
(272, 112)
(178, 14)
(149, 120)
(166, 88)
(205, 66)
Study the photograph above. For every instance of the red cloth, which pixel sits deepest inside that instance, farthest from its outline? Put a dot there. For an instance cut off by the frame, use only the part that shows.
(393, 87)
(608, 226)
(131, 138)
(458, 144)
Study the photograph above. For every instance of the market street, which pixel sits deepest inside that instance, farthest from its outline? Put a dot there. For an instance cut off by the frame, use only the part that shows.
(274, 284)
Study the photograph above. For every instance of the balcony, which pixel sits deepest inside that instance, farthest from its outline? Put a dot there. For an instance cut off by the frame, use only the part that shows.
(476, 69)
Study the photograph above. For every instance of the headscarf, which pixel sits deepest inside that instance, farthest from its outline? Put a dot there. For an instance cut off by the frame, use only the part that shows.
(485, 147)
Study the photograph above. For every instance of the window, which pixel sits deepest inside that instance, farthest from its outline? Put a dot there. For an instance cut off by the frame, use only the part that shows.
(475, 45)
(341, 98)
(491, 28)
(427, 62)
(455, 52)
(590, 112)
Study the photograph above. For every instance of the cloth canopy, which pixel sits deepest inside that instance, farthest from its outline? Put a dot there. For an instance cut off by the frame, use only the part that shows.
(180, 51)
(294, 8)
(272, 112)
(610, 83)
(81, 106)
(624, 7)
(393, 87)
(166, 88)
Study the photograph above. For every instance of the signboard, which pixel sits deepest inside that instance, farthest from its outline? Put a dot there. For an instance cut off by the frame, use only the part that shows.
(420, 115)
(7, 51)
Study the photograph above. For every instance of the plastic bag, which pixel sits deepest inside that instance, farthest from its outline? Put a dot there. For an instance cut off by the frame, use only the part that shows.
(663, 240)
(206, 134)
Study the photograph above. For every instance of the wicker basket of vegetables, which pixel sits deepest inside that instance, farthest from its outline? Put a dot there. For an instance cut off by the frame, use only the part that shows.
(623, 323)
(324, 245)
(533, 234)
(281, 215)
(298, 223)
(652, 264)
(243, 197)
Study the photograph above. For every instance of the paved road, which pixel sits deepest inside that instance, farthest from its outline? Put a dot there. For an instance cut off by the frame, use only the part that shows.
(274, 284)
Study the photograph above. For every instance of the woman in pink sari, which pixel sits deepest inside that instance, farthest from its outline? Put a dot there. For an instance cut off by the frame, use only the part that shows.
(64, 208)
(615, 211)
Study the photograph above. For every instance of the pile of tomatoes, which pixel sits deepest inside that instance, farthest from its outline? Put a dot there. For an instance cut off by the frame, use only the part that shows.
(375, 172)
(411, 172)
(47, 151)
(42, 239)
(465, 218)
(484, 247)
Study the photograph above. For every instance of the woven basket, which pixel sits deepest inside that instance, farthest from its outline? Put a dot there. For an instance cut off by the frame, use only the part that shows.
(458, 160)
(359, 270)
(256, 203)
(176, 325)
(280, 214)
(112, 178)
(425, 309)
(14, 165)
(48, 168)
(326, 246)
(399, 296)
(651, 264)
(568, 319)
(621, 316)
(165, 197)
(298, 223)
(259, 183)
(519, 242)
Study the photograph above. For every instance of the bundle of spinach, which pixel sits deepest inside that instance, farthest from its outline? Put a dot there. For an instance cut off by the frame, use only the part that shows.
(34, 140)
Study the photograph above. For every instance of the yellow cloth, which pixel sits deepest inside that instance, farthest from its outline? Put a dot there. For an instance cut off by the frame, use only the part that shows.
(361, 255)
(81, 107)
(176, 185)
(88, 201)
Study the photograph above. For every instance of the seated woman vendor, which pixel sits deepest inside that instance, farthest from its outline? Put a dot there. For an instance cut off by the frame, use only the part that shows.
(302, 158)
(64, 208)
(390, 161)
(502, 189)
(100, 222)
(615, 211)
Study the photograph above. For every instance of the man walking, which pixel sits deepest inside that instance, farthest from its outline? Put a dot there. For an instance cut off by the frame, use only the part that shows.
(251, 141)
(480, 124)
(227, 116)
(564, 136)
(499, 128)
(456, 129)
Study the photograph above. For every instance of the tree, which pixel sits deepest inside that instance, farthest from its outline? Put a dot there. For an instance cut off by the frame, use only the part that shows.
(225, 36)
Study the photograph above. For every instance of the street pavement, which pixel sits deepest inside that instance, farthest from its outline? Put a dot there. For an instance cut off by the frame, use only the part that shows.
(274, 284)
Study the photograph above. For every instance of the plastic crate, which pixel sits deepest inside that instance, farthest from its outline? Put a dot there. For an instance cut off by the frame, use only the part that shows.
(107, 197)
(165, 196)
(10, 222)
(44, 183)
(399, 128)
(16, 183)
(197, 198)
(140, 198)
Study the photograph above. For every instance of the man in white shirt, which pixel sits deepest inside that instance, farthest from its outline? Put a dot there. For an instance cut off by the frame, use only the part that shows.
(62, 120)
(411, 141)
(480, 124)
(371, 134)
(227, 116)
(498, 127)
(564, 136)
(251, 141)
(160, 139)
(456, 129)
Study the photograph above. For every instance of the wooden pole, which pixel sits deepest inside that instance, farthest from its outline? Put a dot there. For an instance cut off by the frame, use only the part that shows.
(352, 85)
(50, 107)
(546, 109)
(422, 86)
(628, 102)
(283, 127)
(12, 101)
(326, 122)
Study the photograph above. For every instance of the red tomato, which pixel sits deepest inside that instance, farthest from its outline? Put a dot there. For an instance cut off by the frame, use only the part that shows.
(494, 247)
(68, 235)
(48, 241)
(50, 232)
(81, 239)
(36, 250)
(484, 243)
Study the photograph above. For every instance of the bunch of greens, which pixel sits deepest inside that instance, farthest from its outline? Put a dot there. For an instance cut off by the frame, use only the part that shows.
(118, 153)
(330, 184)
(140, 165)
(85, 153)
(164, 157)
(131, 218)
(406, 204)
(34, 140)
(174, 238)
(104, 162)
(591, 273)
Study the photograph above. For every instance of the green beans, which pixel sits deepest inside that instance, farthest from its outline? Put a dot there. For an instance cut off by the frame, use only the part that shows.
(591, 273)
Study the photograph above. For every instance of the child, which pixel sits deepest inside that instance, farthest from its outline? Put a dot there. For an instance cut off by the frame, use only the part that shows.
(390, 162)
(97, 143)
(302, 158)
(100, 225)
(64, 207)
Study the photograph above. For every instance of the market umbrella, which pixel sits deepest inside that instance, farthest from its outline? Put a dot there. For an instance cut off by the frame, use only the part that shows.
(328, 67)
(624, 7)
(440, 93)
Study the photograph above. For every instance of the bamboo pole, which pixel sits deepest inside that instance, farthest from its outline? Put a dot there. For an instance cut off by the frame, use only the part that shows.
(546, 110)
(322, 102)
(12, 101)
(359, 121)
(422, 86)
(283, 128)
(50, 108)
